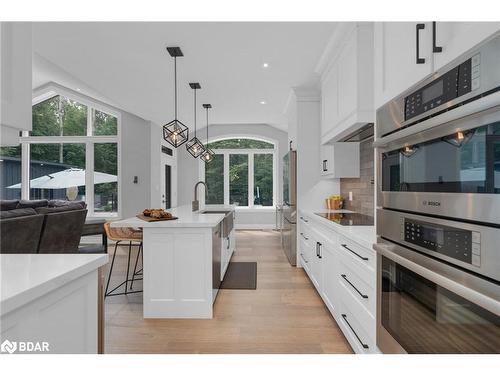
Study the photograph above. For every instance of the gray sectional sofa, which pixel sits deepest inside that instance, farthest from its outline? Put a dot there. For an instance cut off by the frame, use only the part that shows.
(41, 226)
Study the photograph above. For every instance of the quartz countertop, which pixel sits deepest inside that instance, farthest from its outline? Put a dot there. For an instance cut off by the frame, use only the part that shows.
(363, 234)
(25, 277)
(186, 218)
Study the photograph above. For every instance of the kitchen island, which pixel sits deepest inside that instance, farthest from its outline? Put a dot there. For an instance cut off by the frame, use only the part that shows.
(184, 260)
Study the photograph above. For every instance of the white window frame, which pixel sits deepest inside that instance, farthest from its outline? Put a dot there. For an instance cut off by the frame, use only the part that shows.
(250, 152)
(47, 92)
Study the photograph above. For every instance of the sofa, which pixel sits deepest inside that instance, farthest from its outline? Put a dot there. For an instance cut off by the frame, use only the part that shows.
(41, 226)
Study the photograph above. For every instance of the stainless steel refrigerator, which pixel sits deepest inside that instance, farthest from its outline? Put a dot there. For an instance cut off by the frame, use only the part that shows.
(289, 207)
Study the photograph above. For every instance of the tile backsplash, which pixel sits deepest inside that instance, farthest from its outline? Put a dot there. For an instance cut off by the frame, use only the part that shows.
(362, 188)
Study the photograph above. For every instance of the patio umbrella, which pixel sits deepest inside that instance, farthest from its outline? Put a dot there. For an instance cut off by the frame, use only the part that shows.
(66, 179)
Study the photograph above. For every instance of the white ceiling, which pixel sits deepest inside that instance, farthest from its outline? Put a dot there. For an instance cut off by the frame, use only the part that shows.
(127, 63)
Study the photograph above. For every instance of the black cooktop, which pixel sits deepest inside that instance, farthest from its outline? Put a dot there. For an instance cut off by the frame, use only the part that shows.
(348, 218)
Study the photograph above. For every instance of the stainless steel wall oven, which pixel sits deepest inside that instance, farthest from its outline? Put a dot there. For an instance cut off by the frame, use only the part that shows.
(438, 211)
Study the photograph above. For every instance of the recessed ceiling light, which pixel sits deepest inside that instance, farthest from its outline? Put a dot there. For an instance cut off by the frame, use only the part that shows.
(263, 102)
(265, 65)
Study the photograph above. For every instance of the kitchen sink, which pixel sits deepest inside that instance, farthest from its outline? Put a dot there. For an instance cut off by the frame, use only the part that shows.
(215, 212)
(227, 223)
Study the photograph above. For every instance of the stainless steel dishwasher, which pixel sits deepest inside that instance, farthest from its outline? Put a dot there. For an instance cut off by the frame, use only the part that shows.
(216, 259)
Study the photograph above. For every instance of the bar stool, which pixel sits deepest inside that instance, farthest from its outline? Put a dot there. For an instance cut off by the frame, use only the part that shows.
(134, 238)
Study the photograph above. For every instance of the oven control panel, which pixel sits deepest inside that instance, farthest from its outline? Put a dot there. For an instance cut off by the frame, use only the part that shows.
(460, 244)
(458, 81)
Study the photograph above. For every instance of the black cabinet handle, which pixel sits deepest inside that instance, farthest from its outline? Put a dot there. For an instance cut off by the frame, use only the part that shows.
(318, 244)
(302, 234)
(344, 316)
(352, 251)
(351, 284)
(302, 256)
(228, 242)
(317, 249)
(325, 166)
(420, 26)
(302, 218)
(435, 48)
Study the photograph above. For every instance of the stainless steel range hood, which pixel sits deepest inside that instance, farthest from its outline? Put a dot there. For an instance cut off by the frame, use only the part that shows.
(359, 135)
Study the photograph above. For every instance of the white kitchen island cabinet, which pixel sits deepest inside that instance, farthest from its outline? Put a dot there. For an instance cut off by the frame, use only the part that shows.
(52, 303)
(182, 263)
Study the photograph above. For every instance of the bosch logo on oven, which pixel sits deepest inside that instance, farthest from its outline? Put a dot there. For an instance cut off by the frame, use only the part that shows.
(431, 203)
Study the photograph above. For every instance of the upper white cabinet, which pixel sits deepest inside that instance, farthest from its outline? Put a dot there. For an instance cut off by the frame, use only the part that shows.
(397, 66)
(408, 52)
(455, 38)
(15, 65)
(340, 159)
(347, 82)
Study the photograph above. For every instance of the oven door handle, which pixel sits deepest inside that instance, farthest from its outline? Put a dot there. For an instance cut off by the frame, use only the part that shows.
(473, 288)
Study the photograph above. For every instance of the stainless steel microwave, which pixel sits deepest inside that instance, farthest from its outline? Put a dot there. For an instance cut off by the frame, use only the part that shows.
(439, 142)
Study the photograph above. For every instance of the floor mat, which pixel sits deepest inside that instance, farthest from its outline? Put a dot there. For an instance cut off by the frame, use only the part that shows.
(240, 275)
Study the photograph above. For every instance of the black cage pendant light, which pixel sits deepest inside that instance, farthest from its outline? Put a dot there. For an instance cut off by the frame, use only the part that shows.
(194, 146)
(208, 155)
(175, 132)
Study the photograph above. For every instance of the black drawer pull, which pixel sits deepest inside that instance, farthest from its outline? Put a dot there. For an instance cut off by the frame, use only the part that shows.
(302, 218)
(356, 289)
(302, 234)
(435, 48)
(318, 245)
(302, 256)
(344, 316)
(420, 26)
(352, 251)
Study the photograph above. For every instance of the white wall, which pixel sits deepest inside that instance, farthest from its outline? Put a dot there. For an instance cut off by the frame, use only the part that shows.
(189, 170)
(135, 161)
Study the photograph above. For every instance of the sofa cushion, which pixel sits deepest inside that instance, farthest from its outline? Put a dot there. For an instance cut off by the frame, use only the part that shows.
(61, 203)
(8, 204)
(50, 210)
(32, 203)
(18, 212)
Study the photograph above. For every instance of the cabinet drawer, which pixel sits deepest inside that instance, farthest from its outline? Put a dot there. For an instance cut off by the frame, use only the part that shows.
(305, 249)
(359, 254)
(359, 283)
(361, 335)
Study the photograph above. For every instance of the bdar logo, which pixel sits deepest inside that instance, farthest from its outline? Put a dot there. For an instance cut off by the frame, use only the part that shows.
(8, 347)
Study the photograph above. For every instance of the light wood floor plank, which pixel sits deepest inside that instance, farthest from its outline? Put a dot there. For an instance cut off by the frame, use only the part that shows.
(284, 315)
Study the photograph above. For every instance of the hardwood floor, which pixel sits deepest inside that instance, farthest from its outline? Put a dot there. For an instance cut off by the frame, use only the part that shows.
(284, 315)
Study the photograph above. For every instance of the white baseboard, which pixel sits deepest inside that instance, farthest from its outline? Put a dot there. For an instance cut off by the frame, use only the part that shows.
(254, 226)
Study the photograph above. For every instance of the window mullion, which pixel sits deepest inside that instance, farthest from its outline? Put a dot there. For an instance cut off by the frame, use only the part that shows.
(89, 177)
(25, 171)
(250, 180)
(226, 178)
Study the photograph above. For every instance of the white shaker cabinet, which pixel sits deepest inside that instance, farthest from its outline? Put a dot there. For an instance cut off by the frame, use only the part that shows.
(15, 81)
(347, 84)
(397, 66)
(455, 38)
(340, 159)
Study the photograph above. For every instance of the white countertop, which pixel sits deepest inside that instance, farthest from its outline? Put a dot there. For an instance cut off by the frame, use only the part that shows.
(365, 235)
(25, 277)
(186, 218)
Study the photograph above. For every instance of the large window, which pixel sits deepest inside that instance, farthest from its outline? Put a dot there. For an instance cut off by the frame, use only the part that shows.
(71, 153)
(243, 173)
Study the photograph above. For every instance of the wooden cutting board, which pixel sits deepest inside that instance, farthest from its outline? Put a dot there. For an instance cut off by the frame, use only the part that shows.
(152, 219)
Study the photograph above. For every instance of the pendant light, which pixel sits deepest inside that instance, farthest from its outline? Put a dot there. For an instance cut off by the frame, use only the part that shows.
(175, 132)
(208, 155)
(194, 146)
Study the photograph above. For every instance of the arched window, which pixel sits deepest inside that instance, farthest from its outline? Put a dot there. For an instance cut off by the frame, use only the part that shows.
(243, 173)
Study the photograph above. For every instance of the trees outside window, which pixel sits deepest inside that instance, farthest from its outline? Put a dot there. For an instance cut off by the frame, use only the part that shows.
(242, 173)
(69, 134)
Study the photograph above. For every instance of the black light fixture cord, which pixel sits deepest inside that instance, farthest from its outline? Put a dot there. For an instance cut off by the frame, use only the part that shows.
(207, 127)
(175, 85)
(195, 112)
